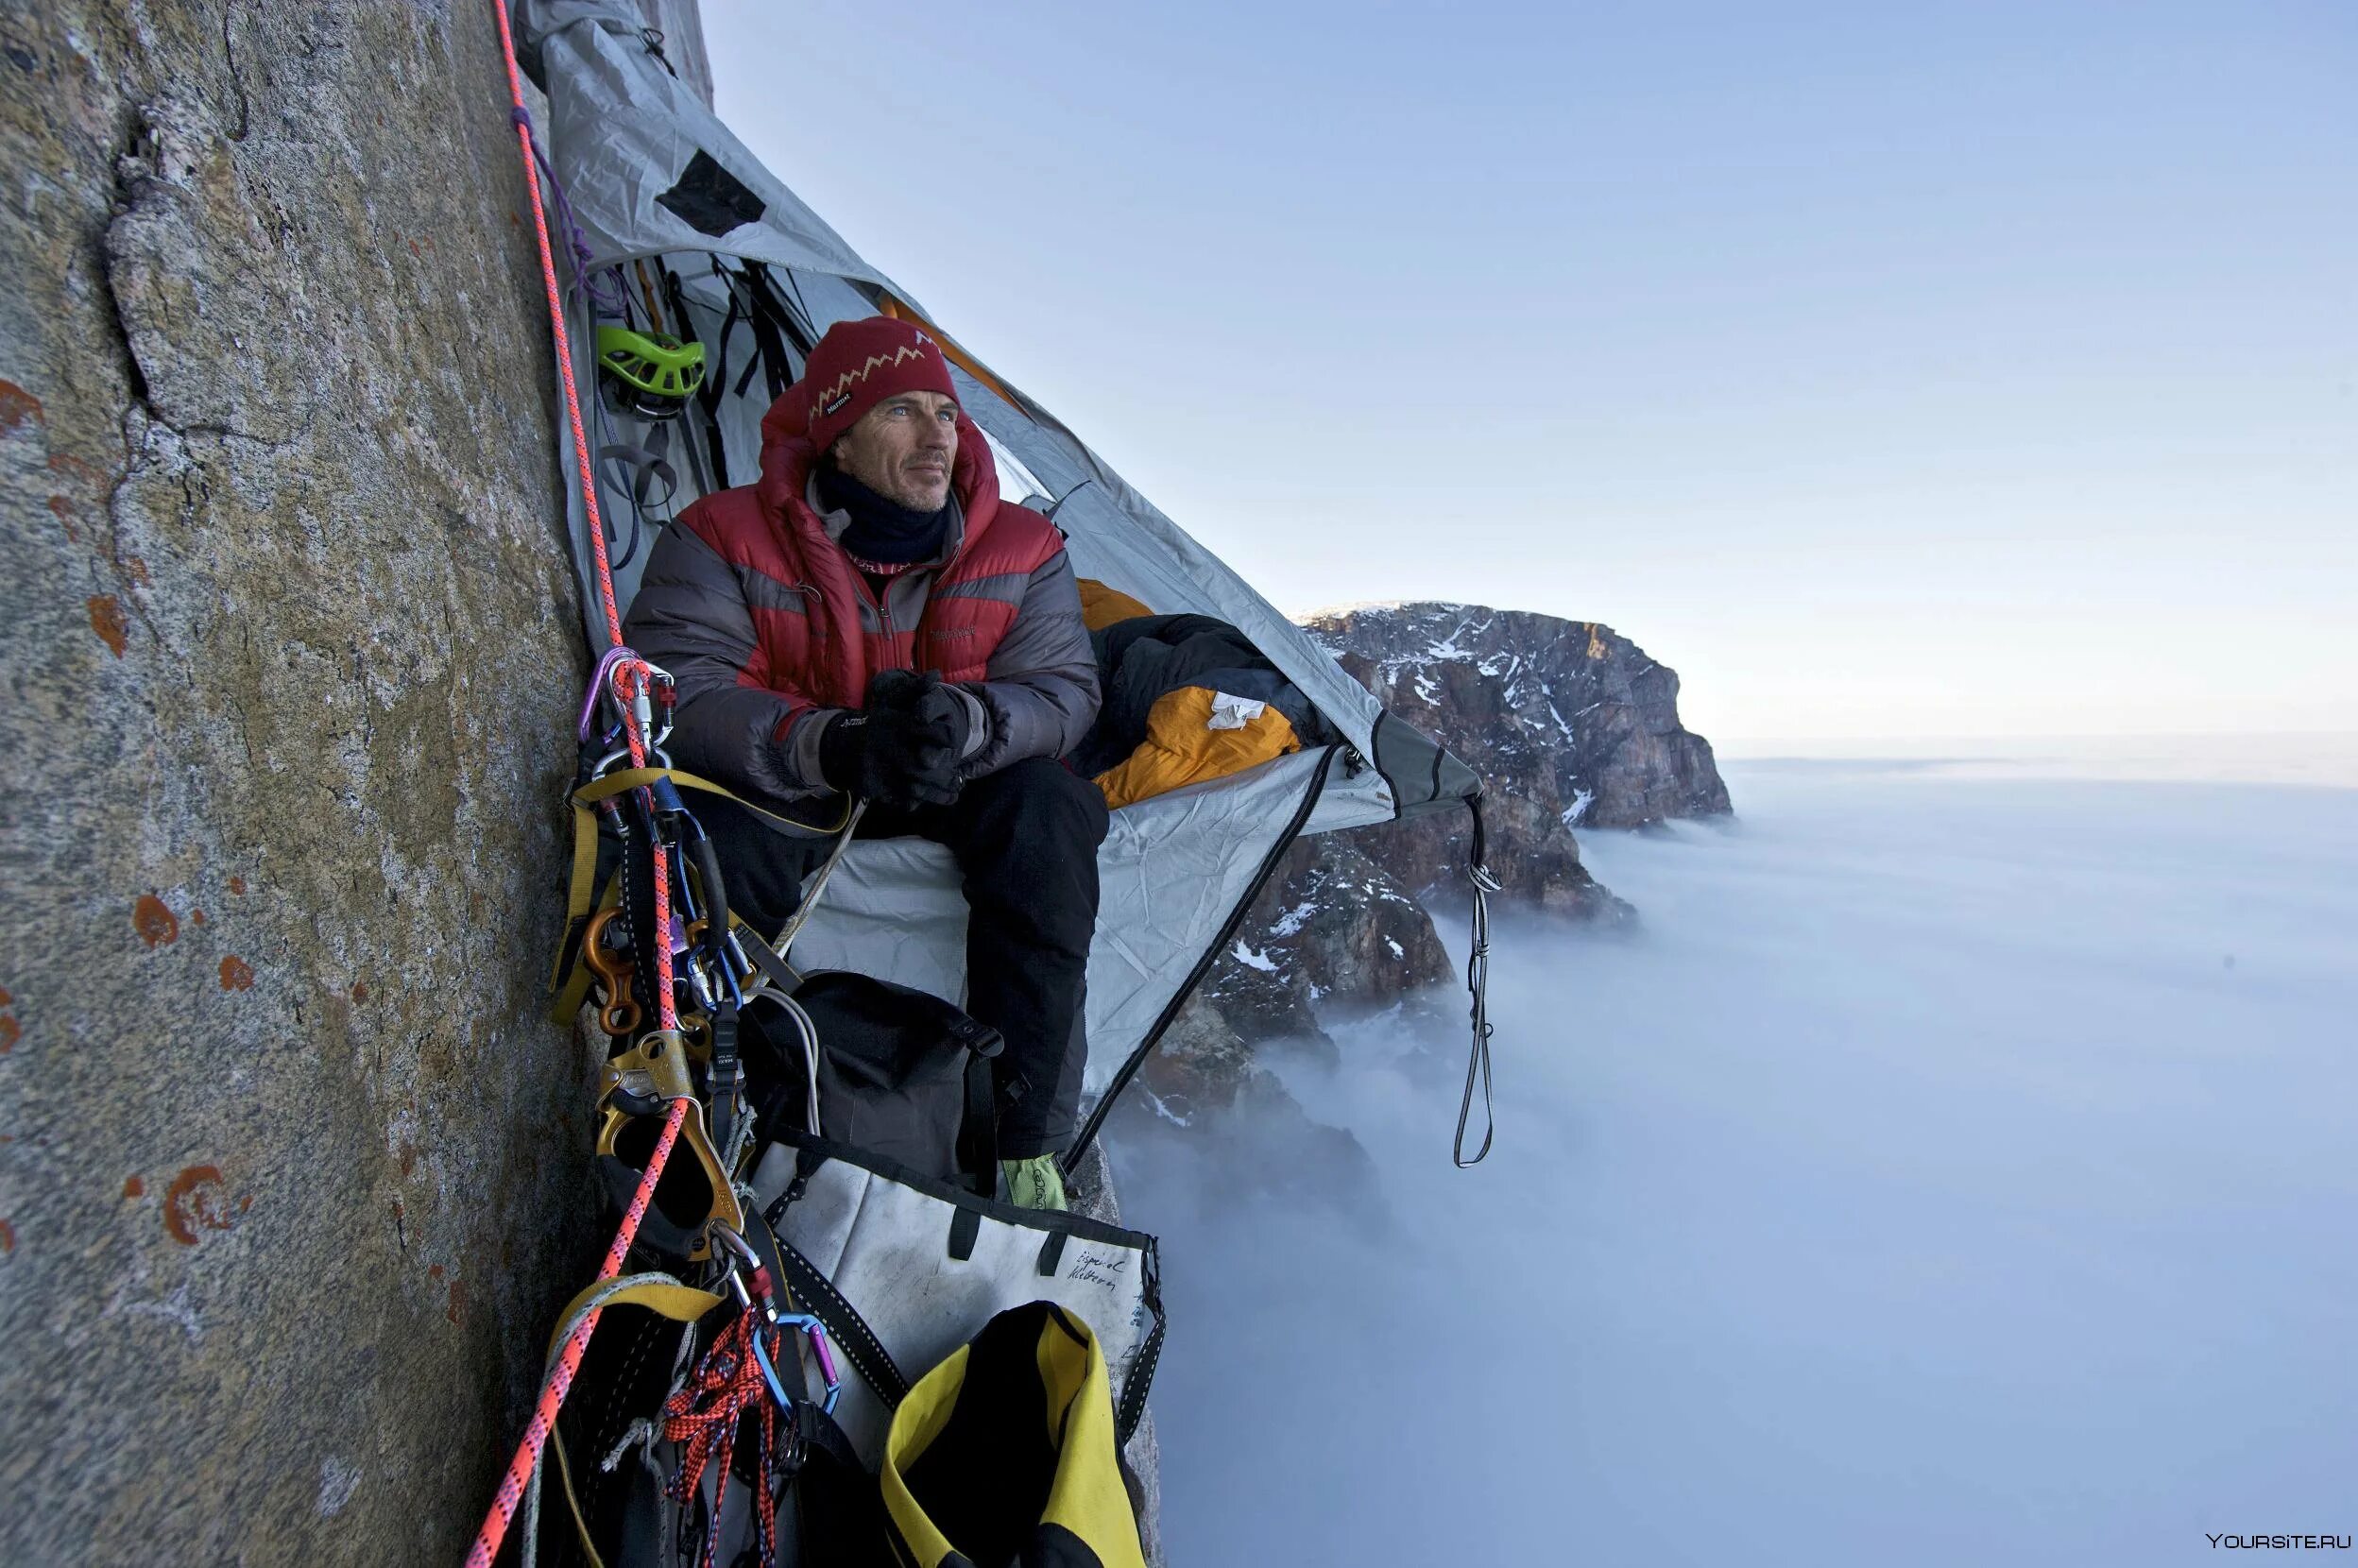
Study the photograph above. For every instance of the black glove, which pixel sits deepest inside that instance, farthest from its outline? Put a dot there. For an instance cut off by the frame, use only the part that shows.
(898, 751)
(945, 706)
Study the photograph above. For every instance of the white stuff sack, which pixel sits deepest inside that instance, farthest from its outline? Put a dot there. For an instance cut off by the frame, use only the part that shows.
(913, 1268)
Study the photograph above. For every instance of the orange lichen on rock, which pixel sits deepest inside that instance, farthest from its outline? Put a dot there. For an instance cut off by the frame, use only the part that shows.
(106, 619)
(236, 973)
(16, 406)
(134, 1186)
(154, 921)
(193, 1200)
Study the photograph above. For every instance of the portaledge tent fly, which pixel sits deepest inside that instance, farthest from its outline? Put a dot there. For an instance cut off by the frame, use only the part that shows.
(657, 189)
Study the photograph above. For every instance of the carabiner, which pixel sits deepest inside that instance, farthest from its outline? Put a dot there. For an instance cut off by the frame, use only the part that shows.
(816, 1332)
(732, 1242)
(810, 1328)
(656, 757)
(753, 1335)
(597, 688)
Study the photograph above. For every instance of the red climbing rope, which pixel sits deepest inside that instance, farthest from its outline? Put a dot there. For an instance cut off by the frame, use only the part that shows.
(628, 677)
(704, 1416)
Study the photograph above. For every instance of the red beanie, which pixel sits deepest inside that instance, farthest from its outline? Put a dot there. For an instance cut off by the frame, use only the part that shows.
(860, 364)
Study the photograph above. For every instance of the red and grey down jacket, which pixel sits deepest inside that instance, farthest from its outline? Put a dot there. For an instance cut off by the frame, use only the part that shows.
(769, 629)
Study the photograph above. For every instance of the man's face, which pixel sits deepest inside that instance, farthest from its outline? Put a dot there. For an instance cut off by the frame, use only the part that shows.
(903, 449)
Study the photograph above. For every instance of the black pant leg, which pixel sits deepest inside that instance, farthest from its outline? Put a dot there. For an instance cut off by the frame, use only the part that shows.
(1026, 840)
(762, 867)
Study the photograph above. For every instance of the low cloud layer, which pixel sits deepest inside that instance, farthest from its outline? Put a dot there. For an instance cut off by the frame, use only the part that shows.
(1957, 1168)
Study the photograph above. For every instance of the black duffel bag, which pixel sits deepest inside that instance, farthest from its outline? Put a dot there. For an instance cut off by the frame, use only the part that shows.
(904, 1074)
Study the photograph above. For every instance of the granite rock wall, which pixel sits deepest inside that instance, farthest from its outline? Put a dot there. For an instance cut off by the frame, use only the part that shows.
(291, 1167)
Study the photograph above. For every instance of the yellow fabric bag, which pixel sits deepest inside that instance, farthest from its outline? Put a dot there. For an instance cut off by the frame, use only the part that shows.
(1005, 1452)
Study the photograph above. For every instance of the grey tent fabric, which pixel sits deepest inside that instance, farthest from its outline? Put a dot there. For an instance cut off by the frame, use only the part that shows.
(660, 190)
(1171, 870)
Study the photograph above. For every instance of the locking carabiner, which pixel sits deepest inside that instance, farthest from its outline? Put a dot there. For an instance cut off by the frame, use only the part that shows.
(746, 1260)
(816, 1332)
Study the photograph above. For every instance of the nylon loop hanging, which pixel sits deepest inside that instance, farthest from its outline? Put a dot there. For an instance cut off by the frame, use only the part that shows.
(1477, 986)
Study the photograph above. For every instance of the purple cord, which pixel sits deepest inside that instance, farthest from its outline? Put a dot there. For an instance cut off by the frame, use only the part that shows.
(605, 293)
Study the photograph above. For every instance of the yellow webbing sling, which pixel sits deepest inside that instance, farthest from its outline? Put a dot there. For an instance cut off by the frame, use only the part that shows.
(659, 1294)
(570, 979)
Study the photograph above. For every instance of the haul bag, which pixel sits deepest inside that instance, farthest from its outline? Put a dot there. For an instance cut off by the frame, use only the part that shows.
(903, 1268)
(1005, 1452)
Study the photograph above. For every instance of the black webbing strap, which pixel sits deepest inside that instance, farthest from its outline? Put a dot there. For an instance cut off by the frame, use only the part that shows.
(1132, 1408)
(851, 1332)
(978, 1131)
(817, 1430)
(965, 1227)
(716, 374)
(764, 957)
(772, 327)
(725, 1078)
(709, 397)
(818, 1296)
(768, 298)
(634, 868)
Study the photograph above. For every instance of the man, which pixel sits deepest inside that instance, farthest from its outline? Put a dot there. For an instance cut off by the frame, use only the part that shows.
(870, 619)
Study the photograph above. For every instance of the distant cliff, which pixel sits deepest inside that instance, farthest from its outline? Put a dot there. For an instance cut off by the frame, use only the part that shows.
(1567, 722)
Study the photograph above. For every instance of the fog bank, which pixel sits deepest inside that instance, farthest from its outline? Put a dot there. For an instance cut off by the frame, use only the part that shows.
(1957, 1166)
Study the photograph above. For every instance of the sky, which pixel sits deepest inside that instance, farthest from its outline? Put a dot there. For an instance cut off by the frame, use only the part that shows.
(1954, 1168)
(1914, 370)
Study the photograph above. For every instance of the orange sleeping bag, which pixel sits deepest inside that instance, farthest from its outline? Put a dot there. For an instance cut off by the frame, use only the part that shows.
(1188, 699)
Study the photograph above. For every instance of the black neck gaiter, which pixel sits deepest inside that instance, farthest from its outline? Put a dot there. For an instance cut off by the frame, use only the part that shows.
(881, 530)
